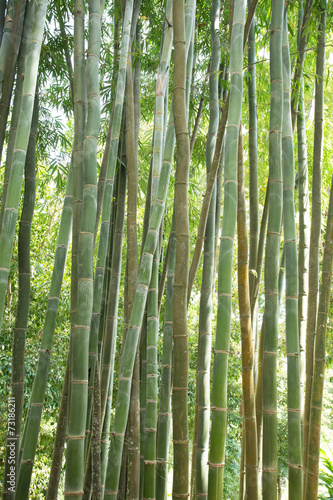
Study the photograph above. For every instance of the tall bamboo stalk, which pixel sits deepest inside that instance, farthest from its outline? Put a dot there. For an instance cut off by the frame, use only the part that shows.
(253, 162)
(22, 315)
(304, 230)
(223, 325)
(19, 154)
(80, 338)
(10, 68)
(311, 488)
(32, 422)
(149, 487)
(59, 441)
(250, 426)
(208, 272)
(269, 467)
(107, 196)
(292, 336)
(133, 432)
(164, 416)
(315, 225)
(179, 308)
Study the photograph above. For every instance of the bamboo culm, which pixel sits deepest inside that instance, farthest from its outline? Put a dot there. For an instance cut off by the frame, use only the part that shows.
(271, 311)
(32, 424)
(311, 492)
(79, 346)
(315, 234)
(22, 315)
(223, 325)
(290, 245)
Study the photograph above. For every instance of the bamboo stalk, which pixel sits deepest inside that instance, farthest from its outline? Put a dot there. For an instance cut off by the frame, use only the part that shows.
(269, 464)
(223, 325)
(250, 426)
(292, 336)
(77, 411)
(32, 422)
(208, 273)
(311, 490)
(315, 227)
(22, 315)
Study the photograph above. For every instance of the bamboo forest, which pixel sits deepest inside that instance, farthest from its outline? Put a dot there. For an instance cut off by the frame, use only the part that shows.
(166, 249)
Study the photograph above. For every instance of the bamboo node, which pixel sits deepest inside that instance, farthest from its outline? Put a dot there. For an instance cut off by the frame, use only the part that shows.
(29, 461)
(108, 492)
(120, 434)
(72, 438)
(74, 493)
(211, 464)
(181, 495)
(295, 466)
(316, 407)
(151, 400)
(270, 353)
(227, 238)
(273, 232)
(125, 378)
(294, 297)
(221, 294)
(205, 333)
(291, 240)
(218, 409)
(293, 354)
(165, 414)
(270, 412)
(79, 382)
(216, 351)
(45, 350)
(266, 469)
(37, 404)
(251, 466)
(149, 462)
(232, 181)
(180, 388)
(272, 293)
(175, 441)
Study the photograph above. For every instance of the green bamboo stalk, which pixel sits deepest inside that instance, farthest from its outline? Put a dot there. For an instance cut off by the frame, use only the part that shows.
(109, 341)
(149, 488)
(2, 17)
(107, 196)
(59, 441)
(6, 38)
(253, 161)
(21, 144)
(32, 423)
(219, 388)
(77, 411)
(315, 227)
(250, 426)
(80, 104)
(164, 415)
(28, 22)
(208, 272)
(133, 431)
(301, 49)
(216, 162)
(96, 439)
(304, 230)
(311, 489)
(22, 315)
(179, 302)
(269, 467)
(292, 337)
(10, 69)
